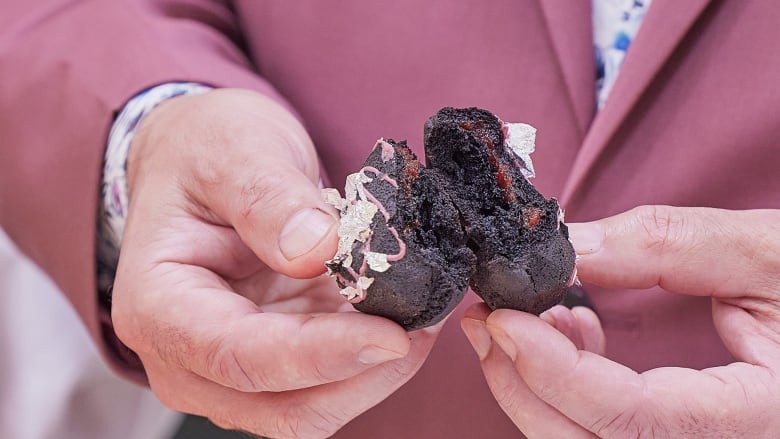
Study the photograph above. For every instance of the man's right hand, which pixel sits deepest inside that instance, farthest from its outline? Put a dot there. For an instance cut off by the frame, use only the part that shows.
(218, 288)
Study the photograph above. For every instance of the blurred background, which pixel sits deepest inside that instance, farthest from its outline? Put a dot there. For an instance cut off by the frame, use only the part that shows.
(53, 383)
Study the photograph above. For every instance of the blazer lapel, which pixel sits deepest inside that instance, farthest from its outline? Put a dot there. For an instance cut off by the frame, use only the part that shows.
(569, 25)
(664, 26)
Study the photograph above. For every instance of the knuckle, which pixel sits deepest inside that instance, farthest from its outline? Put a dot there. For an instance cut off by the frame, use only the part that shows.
(662, 226)
(763, 249)
(509, 395)
(549, 392)
(294, 423)
(125, 330)
(395, 372)
(730, 419)
(139, 325)
(236, 420)
(128, 322)
(641, 420)
(316, 370)
(267, 188)
(767, 255)
(321, 374)
(626, 424)
(303, 420)
(170, 398)
(728, 422)
(692, 424)
(607, 425)
(227, 365)
(167, 343)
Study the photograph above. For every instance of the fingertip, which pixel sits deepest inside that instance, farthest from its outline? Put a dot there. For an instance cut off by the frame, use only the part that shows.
(508, 328)
(375, 330)
(562, 319)
(594, 339)
(291, 351)
(436, 328)
(350, 330)
(553, 315)
(477, 311)
(587, 238)
(365, 339)
(508, 318)
(585, 315)
(373, 355)
(282, 217)
(477, 335)
(346, 307)
(307, 240)
(518, 332)
(306, 230)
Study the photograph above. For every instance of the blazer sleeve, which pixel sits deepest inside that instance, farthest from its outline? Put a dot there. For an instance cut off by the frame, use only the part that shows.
(66, 68)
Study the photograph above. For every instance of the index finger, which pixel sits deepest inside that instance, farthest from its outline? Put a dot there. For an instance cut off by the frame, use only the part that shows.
(192, 320)
(612, 400)
(684, 250)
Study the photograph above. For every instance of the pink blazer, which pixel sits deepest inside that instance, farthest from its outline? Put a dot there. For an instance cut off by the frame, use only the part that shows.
(694, 119)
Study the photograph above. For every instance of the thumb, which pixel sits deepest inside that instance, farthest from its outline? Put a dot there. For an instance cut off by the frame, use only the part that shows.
(282, 218)
(687, 250)
(270, 194)
(242, 161)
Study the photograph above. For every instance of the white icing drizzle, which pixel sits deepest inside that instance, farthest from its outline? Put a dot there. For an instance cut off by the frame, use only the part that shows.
(377, 261)
(358, 208)
(520, 138)
(333, 197)
(357, 293)
(573, 279)
(388, 152)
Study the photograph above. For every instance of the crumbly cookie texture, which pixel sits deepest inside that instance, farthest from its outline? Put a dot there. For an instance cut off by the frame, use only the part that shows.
(358, 209)
(413, 238)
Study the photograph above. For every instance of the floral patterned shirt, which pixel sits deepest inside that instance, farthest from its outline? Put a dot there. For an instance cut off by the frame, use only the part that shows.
(113, 209)
(615, 24)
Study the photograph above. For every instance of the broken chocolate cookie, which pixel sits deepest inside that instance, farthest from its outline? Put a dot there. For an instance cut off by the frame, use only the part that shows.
(412, 238)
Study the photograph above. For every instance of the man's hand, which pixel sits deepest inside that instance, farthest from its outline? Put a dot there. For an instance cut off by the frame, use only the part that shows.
(555, 384)
(217, 288)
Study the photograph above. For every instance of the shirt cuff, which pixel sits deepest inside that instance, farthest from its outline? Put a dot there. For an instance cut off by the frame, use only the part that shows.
(113, 208)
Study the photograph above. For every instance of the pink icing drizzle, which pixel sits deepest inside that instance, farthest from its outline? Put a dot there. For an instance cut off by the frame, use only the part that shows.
(367, 246)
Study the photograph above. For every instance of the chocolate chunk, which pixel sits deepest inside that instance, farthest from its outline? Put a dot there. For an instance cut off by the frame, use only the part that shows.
(524, 258)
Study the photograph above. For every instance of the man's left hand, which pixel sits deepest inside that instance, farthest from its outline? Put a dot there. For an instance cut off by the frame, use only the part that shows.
(548, 373)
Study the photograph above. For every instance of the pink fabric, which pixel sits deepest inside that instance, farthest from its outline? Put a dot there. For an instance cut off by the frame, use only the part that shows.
(694, 119)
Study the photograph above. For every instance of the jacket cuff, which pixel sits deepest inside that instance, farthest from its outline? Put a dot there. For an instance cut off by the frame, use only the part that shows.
(112, 210)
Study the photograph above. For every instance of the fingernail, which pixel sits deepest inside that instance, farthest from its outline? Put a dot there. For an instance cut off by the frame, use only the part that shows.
(478, 336)
(374, 355)
(586, 237)
(548, 317)
(346, 307)
(436, 328)
(304, 231)
(504, 341)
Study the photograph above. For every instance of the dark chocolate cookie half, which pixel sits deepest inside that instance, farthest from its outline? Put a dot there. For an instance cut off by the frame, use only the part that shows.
(402, 249)
(524, 258)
